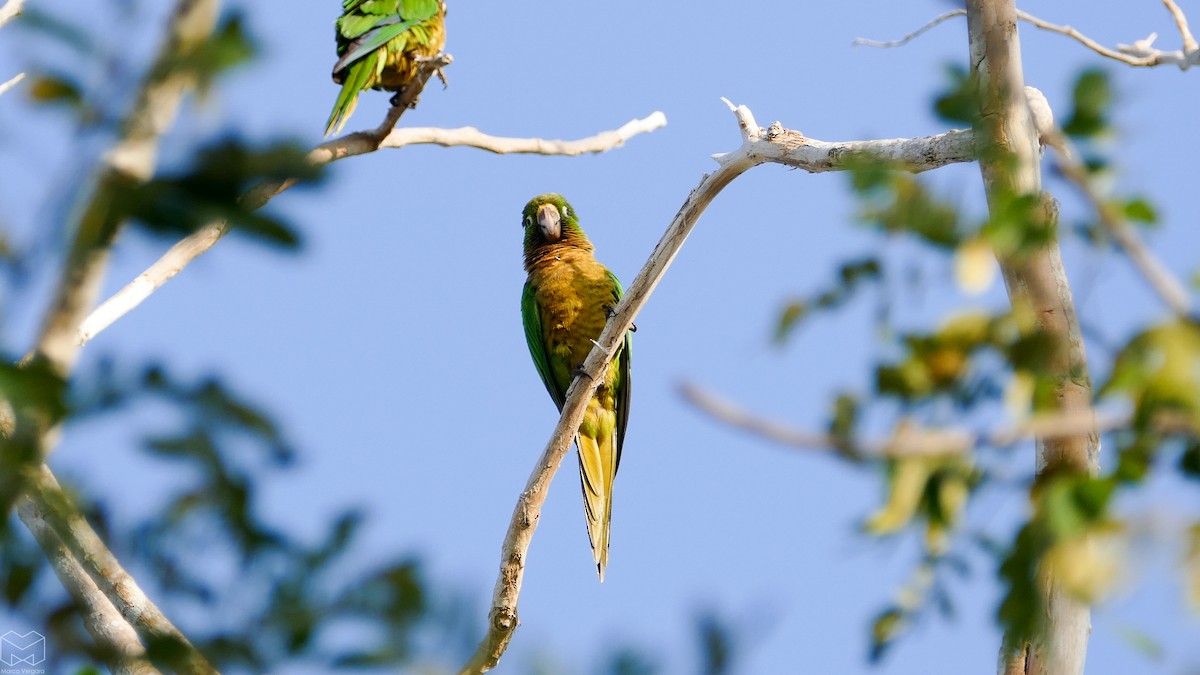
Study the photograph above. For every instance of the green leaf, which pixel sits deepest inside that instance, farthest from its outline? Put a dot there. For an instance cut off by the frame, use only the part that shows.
(56, 89)
(1139, 209)
(1093, 97)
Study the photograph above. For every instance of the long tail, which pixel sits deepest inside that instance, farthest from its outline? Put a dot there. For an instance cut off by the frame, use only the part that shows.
(356, 77)
(597, 468)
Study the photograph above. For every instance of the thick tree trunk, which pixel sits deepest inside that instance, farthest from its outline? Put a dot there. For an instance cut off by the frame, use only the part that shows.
(1037, 283)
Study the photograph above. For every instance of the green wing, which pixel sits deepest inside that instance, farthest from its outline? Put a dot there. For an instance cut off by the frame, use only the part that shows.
(625, 383)
(364, 30)
(531, 317)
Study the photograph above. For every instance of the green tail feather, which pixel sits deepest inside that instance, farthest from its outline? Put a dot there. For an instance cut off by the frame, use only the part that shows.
(354, 83)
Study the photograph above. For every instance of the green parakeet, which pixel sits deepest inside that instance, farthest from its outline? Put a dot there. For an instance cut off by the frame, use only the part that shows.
(381, 44)
(566, 303)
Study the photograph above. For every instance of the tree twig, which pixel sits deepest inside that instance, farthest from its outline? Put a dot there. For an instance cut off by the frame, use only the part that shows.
(1166, 285)
(12, 82)
(11, 10)
(908, 439)
(197, 243)
(1181, 22)
(1141, 53)
(47, 503)
(867, 42)
(502, 619)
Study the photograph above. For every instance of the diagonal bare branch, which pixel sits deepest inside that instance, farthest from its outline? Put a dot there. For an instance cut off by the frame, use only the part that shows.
(867, 42)
(47, 503)
(11, 10)
(759, 146)
(116, 640)
(11, 82)
(1181, 22)
(908, 439)
(1162, 281)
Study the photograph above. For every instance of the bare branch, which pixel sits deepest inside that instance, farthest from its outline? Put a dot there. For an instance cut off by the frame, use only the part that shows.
(1141, 53)
(194, 245)
(115, 638)
(12, 82)
(909, 439)
(866, 42)
(11, 10)
(502, 620)
(794, 149)
(759, 146)
(1168, 287)
(47, 503)
(1189, 41)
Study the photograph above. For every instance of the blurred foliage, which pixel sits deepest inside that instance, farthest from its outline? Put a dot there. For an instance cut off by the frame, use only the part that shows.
(977, 367)
(211, 189)
(933, 489)
(851, 276)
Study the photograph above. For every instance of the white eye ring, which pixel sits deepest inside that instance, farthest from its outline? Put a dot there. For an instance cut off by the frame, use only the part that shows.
(528, 221)
(566, 211)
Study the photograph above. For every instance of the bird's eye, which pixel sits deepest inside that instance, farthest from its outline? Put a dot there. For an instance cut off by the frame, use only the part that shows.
(566, 211)
(528, 221)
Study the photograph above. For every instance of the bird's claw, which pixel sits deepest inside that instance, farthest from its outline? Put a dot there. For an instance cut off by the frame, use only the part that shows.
(398, 98)
(580, 372)
(609, 311)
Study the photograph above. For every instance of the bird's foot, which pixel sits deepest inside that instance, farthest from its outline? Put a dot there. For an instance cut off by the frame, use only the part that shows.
(398, 99)
(610, 312)
(580, 372)
(441, 59)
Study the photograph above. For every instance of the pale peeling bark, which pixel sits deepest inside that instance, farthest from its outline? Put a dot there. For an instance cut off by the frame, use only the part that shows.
(1037, 283)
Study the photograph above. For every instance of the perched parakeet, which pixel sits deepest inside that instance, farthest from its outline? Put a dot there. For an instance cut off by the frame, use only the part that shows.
(381, 44)
(567, 300)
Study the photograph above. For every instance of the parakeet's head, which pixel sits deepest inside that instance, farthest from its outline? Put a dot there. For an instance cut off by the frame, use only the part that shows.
(548, 219)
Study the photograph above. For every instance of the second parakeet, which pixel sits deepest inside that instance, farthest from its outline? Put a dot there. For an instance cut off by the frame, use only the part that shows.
(381, 44)
(567, 300)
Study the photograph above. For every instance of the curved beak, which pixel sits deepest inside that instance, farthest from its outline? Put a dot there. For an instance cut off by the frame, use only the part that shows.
(548, 221)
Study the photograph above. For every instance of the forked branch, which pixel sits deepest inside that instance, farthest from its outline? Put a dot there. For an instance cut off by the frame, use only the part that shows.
(1141, 53)
(759, 146)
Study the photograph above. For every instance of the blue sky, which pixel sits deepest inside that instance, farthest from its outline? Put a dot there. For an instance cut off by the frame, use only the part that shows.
(392, 351)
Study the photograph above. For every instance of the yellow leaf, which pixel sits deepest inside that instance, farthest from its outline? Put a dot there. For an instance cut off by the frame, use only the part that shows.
(975, 266)
(1088, 565)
